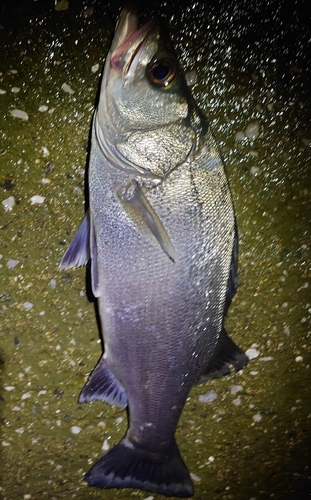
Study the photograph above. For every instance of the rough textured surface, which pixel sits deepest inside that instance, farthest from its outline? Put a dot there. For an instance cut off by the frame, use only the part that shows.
(251, 445)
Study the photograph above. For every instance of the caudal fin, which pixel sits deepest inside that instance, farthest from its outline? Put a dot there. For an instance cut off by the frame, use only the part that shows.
(127, 467)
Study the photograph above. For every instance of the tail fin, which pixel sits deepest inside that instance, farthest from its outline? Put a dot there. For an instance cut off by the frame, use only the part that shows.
(127, 467)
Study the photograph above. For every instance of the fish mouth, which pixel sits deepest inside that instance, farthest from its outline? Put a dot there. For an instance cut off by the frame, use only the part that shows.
(129, 40)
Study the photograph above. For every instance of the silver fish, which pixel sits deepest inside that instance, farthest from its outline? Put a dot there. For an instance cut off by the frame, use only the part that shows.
(161, 235)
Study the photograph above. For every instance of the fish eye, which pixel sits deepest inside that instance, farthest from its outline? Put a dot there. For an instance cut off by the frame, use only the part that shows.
(162, 72)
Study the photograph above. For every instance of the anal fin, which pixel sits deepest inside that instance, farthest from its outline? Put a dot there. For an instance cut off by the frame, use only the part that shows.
(103, 386)
(227, 353)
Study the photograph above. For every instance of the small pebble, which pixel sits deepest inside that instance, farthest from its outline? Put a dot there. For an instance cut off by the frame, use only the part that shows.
(195, 478)
(11, 263)
(45, 151)
(236, 388)
(15, 90)
(209, 397)
(26, 395)
(28, 306)
(286, 330)
(75, 429)
(19, 113)
(252, 353)
(236, 401)
(95, 68)
(43, 108)
(45, 180)
(254, 170)
(191, 77)
(239, 136)
(66, 88)
(9, 203)
(37, 199)
(257, 417)
(2, 91)
(9, 388)
(299, 359)
(105, 446)
(53, 283)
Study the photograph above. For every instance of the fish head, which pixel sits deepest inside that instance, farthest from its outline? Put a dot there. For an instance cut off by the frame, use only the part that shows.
(144, 96)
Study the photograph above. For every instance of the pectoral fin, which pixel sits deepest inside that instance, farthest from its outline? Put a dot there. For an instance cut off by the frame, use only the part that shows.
(142, 213)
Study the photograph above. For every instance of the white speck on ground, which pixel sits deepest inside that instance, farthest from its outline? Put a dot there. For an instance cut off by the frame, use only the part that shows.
(37, 199)
(66, 88)
(12, 263)
(19, 113)
(195, 478)
(254, 170)
(45, 152)
(95, 68)
(257, 417)
(236, 401)
(105, 446)
(75, 429)
(252, 353)
(299, 359)
(286, 330)
(209, 397)
(43, 108)
(9, 388)
(26, 395)
(9, 203)
(239, 136)
(28, 306)
(53, 283)
(236, 388)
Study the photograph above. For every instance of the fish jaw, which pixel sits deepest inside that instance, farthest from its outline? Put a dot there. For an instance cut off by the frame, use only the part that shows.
(129, 42)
